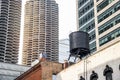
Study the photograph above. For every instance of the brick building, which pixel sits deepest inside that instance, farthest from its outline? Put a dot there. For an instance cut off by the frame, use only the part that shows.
(41, 71)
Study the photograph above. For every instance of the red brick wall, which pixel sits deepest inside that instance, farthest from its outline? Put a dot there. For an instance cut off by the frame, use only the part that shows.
(35, 75)
(41, 71)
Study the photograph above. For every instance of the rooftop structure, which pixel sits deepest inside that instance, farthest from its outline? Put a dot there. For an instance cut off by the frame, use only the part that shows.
(11, 71)
(44, 70)
(104, 63)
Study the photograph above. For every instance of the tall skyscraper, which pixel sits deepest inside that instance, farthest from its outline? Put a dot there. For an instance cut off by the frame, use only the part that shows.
(10, 15)
(40, 30)
(86, 21)
(107, 20)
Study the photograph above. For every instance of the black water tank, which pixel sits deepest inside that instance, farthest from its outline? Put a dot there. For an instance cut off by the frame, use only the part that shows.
(79, 40)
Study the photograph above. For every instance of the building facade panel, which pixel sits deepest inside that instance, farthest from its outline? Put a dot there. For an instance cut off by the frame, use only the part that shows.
(107, 21)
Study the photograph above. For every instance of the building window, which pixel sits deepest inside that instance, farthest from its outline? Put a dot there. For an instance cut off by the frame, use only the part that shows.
(86, 8)
(110, 36)
(92, 47)
(88, 27)
(109, 12)
(86, 18)
(108, 73)
(114, 21)
(92, 36)
(81, 78)
(94, 76)
(81, 2)
(103, 4)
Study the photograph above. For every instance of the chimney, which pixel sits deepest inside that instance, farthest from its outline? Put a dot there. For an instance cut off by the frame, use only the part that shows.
(65, 64)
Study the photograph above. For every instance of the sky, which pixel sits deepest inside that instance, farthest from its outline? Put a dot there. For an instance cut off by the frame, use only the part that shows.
(67, 19)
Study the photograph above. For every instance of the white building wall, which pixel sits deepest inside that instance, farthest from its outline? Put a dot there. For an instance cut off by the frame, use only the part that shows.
(97, 62)
(63, 50)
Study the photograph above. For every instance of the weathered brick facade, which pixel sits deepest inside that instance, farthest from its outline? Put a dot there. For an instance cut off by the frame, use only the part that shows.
(41, 71)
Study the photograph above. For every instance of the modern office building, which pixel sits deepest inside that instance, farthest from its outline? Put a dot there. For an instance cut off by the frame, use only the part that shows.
(10, 15)
(40, 30)
(106, 15)
(86, 20)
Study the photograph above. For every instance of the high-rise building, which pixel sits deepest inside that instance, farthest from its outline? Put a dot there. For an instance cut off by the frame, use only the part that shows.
(86, 20)
(10, 15)
(40, 30)
(106, 14)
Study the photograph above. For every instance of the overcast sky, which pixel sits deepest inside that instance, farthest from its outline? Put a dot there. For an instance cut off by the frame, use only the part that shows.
(67, 17)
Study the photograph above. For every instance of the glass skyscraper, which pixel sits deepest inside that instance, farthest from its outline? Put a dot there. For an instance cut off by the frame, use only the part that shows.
(86, 20)
(101, 19)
